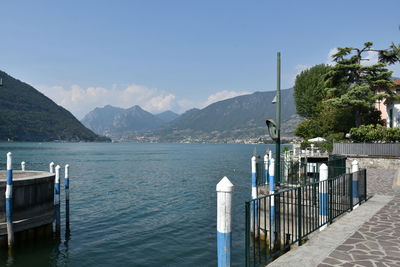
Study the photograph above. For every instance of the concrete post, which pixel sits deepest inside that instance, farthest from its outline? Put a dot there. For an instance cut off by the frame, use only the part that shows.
(272, 191)
(355, 193)
(253, 177)
(57, 202)
(224, 219)
(57, 186)
(66, 186)
(254, 193)
(23, 166)
(66, 182)
(266, 162)
(9, 200)
(323, 195)
(51, 167)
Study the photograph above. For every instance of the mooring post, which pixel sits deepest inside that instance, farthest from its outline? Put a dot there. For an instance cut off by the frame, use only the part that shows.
(66, 182)
(355, 193)
(57, 201)
(23, 166)
(224, 220)
(57, 186)
(272, 197)
(323, 196)
(66, 186)
(51, 167)
(254, 193)
(9, 200)
(266, 162)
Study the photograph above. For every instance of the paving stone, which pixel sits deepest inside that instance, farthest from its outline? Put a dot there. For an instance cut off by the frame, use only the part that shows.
(376, 242)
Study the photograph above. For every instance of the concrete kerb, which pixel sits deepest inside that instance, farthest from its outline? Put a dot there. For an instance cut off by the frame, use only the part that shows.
(320, 245)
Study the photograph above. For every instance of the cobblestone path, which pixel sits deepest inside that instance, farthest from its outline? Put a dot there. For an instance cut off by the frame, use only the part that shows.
(376, 242)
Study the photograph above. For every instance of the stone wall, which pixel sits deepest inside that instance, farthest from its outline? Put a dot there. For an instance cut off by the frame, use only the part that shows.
(375, 162)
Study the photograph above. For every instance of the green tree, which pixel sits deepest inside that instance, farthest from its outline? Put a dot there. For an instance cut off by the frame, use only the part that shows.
(351, 84)
(309, 90)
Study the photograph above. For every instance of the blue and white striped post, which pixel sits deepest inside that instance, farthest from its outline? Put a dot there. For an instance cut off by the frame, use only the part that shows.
(57, 190)
(51, 167)
(66, 182)
(254, 193)
(323, 195)
(224, 220)
(272, 207)
(355, 193)
(23, 166)
(66, 187)
(266, 162)
(9, 200)
(57, 186)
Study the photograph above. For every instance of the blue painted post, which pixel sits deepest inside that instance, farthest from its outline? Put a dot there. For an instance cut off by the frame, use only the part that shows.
(272, 208)
(355, 193)
(57, 186)
(51, 167)
(66, 186)
(9, 200)
(57, 190)
(23, 166)
(266, 162)
(254, 213)
(224, 220)
(66, 182)
(323, 195)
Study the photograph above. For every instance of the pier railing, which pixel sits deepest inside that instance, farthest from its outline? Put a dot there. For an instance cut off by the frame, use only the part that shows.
(293, 173)
(277, 221)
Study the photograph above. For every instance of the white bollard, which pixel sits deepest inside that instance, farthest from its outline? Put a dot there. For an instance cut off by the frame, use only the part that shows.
(355, 193)
(224, 219)
(254, 193)
(66, 182)
(51, 167)
(266, 162)
(57, 186)
(253, 177)
(23, 166)
(323, 195)
(271, 192)
(9, 200)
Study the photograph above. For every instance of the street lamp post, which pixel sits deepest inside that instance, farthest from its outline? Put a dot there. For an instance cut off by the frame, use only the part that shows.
(274, 128)
(278, 121)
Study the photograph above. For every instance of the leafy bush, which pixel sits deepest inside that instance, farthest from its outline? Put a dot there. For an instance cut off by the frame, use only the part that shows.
(375, 133)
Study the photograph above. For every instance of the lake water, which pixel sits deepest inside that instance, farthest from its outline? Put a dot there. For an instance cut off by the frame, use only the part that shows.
(137, 204)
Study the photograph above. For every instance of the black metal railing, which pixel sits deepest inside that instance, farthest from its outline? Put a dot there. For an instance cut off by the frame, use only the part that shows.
(300, 173)
(277, 221)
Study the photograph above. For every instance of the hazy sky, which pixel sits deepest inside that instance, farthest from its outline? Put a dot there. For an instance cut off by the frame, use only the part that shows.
(178, 54)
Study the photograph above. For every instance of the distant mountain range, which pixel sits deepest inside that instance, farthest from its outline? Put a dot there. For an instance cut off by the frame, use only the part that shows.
(120, 124)
(232, 120)
(28, 115)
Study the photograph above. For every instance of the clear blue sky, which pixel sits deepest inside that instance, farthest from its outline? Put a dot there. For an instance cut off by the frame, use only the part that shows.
(184, 52)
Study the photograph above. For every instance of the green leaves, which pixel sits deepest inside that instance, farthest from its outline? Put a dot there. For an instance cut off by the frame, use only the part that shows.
(309, 90)
(375, 133)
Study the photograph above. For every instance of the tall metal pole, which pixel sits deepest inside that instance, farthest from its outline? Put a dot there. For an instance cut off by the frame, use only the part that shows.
(278, 122)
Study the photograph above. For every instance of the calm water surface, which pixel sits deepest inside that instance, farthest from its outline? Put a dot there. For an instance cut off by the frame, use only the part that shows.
(137, 204)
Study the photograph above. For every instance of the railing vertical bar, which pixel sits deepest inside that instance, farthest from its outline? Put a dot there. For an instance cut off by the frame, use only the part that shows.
(299, 215)
(247, 236)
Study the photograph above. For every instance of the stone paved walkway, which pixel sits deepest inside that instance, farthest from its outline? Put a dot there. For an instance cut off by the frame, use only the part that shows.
(376, 242)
